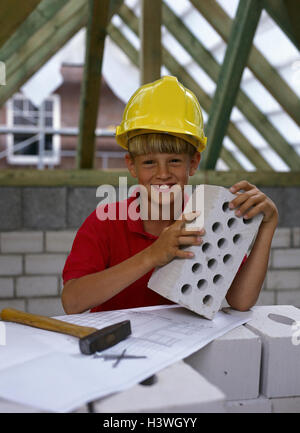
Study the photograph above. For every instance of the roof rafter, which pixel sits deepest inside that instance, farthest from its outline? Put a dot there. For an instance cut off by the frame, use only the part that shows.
(286, 14)
(42, 45)
(12, 15)
(260, 67)
(208, 63)
(90, 90)
(128, 16)
(150, 36)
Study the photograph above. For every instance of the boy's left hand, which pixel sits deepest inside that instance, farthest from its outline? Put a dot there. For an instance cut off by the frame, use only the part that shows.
(253, 198)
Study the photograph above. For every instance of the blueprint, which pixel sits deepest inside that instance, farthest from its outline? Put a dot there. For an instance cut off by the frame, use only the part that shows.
(46, 370)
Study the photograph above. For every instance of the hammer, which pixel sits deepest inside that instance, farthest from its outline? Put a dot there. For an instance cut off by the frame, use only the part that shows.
(91, 340)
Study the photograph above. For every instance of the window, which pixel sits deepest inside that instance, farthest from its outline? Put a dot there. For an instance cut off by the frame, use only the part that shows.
(33, 141)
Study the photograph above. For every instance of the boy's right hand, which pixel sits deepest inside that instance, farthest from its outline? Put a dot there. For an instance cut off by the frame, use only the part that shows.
(167, 246)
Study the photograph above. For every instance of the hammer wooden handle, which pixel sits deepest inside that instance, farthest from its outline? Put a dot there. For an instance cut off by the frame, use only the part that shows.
(42, 322)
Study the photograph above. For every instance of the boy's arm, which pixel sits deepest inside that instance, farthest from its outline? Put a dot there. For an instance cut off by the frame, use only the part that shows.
(247, 284)
(91, 290)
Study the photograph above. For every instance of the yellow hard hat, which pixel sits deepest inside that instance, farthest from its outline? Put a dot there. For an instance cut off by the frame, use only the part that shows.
(163, 106)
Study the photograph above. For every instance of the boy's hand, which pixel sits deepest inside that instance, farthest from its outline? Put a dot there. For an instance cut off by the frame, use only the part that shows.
(256, 200)
(167, 246)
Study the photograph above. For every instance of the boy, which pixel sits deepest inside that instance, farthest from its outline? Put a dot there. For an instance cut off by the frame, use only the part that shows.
(111, 261)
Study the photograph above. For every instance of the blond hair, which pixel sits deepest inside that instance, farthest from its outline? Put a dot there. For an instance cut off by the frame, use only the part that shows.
(158, 143)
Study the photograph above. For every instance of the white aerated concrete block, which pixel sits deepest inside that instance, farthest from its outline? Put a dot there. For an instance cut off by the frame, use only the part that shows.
(285, 405)
(278, 327)
(232, 363)
(178, 388)
(256, 405)
(8, 406)
(201, 283)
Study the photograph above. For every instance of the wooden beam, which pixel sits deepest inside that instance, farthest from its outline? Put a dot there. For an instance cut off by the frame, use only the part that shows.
(176, 69)
(259, 66)
(46, 10)
(94, 178)
(280, 11)
(150, 38)
(236, 56)
(12, 14)
(90, 90)
(207, 62)
(293, 10)
(39, 48)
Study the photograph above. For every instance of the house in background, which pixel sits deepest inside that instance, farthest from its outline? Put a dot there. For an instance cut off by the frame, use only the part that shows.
(59, 112)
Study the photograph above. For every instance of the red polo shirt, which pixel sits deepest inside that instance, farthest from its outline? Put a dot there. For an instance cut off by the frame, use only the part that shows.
(101, 244)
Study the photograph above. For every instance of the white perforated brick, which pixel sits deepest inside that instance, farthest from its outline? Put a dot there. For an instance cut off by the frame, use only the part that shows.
(201, 283)
(278, 327)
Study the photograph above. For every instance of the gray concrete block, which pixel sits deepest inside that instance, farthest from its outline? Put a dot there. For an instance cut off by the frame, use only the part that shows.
(289, 297)
(59, 241)
(266, 298)
(283, 279)
(45, 306)
(6, 287)
(256, 405)
(11, 265)
(81, 202)
(44, 263)
(201, 283)
(291, 213)
(286, 258)
(277, 195)
(11, 208)
(232, 363)
(22, 242)
(296, 236)
(44, 208)
(285, 405)
(36, 286)
(18, 304)
(280, 355)
(282, 237)
(178, 388)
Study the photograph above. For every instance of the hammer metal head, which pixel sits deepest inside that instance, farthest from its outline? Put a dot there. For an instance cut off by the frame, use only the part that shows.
(105, 337)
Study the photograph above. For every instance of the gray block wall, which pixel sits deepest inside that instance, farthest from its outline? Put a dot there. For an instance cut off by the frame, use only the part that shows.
(38, 224)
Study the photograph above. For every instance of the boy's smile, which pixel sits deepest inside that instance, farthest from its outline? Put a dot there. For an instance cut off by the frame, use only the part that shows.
(163, 174)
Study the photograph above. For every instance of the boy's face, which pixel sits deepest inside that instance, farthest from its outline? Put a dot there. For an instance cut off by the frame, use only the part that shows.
(161, 171)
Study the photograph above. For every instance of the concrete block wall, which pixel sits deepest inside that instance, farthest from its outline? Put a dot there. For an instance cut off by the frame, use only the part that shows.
(37, 227)
(31, 264)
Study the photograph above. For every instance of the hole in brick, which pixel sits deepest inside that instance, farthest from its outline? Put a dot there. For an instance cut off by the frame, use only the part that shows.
(237, 239)
(222, 243)
(206, 247)
(196, 268)
(217, 227)
(212, 263)
(186, 288)
(232, 222)
(218, 279)
(247, 221)
(202, 284)
(227, 259)
(207, 300)
(225, 206)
